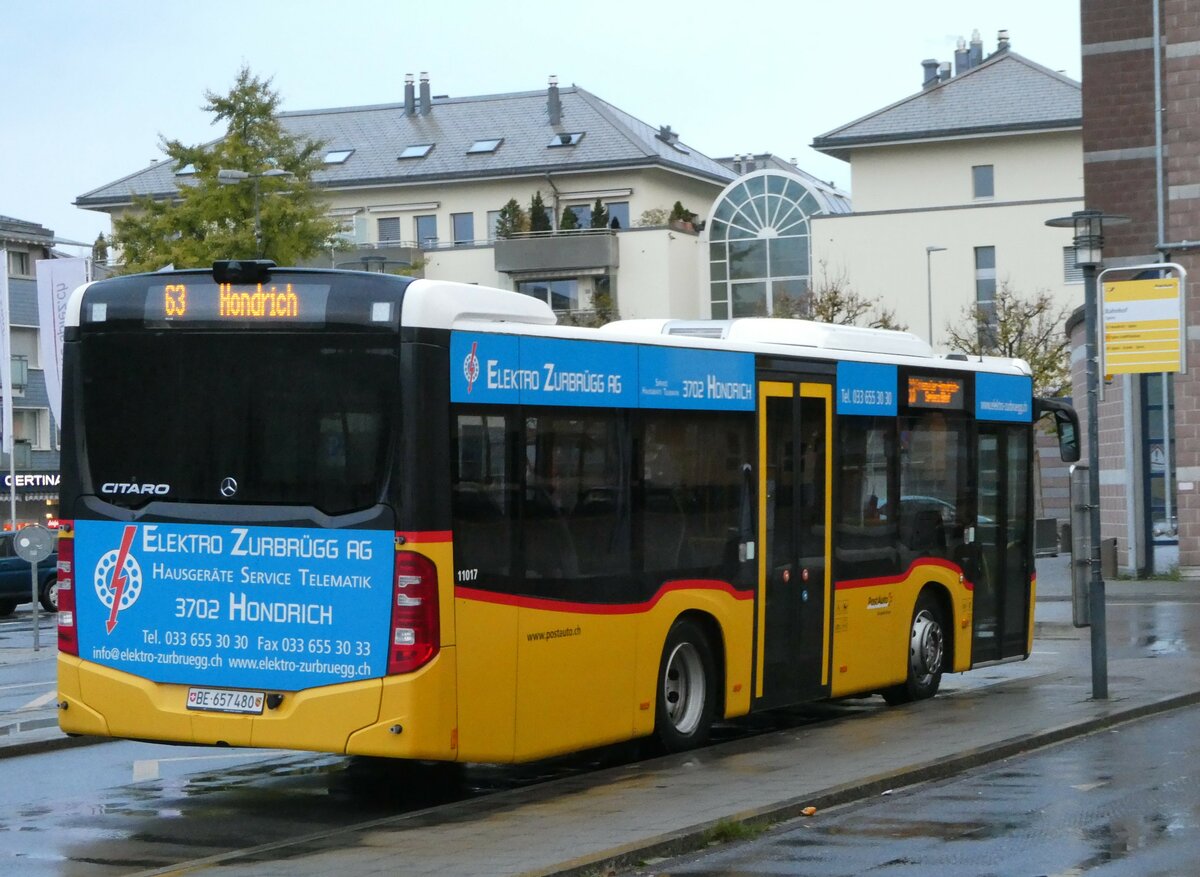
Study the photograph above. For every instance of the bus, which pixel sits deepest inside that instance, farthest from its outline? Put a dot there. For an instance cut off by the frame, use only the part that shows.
(373, 515)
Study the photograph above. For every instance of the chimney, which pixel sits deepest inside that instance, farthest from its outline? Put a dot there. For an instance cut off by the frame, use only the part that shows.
(1002, 41)
(931, 74)
(425, 99)
(944, 72)
(962, 58)
(553, 102)
(410, 101)
(976, 48)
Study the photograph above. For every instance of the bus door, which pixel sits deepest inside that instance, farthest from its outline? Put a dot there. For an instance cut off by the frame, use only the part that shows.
(1001, 574)
(794, 474)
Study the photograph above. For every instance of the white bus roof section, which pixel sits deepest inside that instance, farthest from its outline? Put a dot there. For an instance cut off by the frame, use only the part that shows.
(793, 333)
(439, 304)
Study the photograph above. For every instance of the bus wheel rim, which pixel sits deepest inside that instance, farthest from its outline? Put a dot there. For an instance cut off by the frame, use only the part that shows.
(927, 647)
(683, 688)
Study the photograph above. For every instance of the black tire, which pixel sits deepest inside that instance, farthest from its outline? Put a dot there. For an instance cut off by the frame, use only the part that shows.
(926, 653)
(687, 688)
(7, 607)
(48, 594)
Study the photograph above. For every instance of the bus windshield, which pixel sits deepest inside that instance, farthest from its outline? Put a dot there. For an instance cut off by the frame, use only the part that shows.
(247, 417)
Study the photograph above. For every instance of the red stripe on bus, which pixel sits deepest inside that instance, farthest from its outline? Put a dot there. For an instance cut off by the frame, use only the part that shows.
(426, 535)
(896, 579)
(600, 608)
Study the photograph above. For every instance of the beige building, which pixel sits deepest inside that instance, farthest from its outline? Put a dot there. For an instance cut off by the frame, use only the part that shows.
(952, 186)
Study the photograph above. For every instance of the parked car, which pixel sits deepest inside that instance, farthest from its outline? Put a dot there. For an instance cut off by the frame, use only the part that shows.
(15, 585)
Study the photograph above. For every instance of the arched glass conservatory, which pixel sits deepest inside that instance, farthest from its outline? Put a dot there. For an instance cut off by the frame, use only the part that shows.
(759, 242)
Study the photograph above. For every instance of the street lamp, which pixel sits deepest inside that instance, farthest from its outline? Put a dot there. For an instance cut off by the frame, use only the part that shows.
(1089, 243)
(929, 251)
(228, 177)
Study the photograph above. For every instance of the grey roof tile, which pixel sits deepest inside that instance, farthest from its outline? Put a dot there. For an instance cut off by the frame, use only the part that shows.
(1005, 93)
(378, 134)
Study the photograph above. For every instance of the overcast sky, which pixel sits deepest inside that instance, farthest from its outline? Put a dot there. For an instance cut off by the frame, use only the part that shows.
(92, 86)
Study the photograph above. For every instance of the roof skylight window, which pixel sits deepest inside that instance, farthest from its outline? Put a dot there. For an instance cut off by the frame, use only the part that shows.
(416, 150)
(489, 145)
(565, 139)
(186, 171)
(338, 156)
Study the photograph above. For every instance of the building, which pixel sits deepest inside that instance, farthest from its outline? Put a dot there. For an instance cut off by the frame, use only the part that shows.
(34, 464)
(952, 185)
(421, 184)
(1141, 140)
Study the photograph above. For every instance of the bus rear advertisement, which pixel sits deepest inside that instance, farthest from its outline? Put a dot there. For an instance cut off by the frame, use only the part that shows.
(372, 515)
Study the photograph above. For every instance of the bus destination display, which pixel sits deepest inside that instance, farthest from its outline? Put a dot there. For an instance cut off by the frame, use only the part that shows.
(238, 303)
(939, 392)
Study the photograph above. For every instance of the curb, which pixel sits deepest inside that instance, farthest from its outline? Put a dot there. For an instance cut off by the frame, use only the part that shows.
(49, 744)
(695, 838)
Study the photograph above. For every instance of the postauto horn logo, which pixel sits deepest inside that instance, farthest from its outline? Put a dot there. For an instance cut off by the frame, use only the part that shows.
(118, 579)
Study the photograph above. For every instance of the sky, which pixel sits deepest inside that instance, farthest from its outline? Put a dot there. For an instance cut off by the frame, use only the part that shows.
(93, 87)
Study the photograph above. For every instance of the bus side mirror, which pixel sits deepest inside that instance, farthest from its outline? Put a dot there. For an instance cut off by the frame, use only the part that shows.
(1066, 426)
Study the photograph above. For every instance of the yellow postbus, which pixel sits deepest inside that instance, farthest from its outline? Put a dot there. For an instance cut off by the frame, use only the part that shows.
(372, 515)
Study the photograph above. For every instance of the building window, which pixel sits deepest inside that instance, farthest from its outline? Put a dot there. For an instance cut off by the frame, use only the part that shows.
(985, 288)
(562, 295)
(490, 144)
(32, 425)
(416, 150)
(24, 342)
(426, 227)
(1072, 273)
(583, 214)
(983, 181)
(565, 139)
(338, 156)
(759, 246)
(618, 214)
(464, 228)
(18, 263)
(389, 230)
(493, 217)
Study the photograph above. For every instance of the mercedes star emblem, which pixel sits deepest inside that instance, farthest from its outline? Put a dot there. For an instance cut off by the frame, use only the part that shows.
(228, 487)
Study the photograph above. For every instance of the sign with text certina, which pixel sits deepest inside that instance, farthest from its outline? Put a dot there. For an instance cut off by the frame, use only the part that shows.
(248, 607)
(1004, 397)
(866, 388)
(507, 369)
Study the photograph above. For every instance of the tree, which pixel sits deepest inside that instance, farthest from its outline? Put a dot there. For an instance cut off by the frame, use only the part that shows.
(679, 213)
(653, 217)
(832, 300)
(599, 215)
(539, 220)
(1028, 328)
(569, 221)
(205, 220)
(512, 220)
(100, 250)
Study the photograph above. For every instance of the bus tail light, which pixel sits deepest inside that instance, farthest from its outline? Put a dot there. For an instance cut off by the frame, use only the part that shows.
(68, 638)
(415, 620)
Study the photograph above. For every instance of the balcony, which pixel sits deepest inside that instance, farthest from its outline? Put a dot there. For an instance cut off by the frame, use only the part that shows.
(20, 374)
(562, 251)
(22, 456)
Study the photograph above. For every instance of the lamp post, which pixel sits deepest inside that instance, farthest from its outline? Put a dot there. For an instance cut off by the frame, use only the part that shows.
(228, 177)
(929, 251)
(1089, 243)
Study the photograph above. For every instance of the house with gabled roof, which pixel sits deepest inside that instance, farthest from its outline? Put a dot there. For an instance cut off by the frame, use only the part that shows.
(421, 183)
(952, 186)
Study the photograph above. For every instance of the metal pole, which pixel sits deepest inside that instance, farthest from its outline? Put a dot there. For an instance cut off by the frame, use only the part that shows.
(929, 289)
(1096, 604)
(257, 226)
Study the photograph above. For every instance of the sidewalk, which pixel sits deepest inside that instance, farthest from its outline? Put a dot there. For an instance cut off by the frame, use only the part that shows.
(636, 813)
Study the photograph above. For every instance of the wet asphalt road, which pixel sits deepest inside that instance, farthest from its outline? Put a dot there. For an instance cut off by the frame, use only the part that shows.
(1124, 801)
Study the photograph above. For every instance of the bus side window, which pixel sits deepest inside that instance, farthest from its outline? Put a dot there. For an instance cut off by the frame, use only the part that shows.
(482, 499)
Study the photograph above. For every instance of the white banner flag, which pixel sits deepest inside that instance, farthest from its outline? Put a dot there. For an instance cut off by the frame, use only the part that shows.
(56, 280)
(5, 356)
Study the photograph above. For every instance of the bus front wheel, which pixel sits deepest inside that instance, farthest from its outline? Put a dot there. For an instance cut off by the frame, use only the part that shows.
(926, 654)
(687, 695)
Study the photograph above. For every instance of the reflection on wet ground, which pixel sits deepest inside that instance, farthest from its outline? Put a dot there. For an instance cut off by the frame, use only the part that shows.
(1121, 802)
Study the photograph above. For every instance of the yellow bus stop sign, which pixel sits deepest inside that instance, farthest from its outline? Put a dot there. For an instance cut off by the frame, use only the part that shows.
(1142, 326)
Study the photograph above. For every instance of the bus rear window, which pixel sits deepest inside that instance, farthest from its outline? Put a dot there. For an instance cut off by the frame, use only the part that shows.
(245, 418)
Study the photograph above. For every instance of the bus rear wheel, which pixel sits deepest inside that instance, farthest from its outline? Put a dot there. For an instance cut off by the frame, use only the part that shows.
(687, 693)
(926, 654)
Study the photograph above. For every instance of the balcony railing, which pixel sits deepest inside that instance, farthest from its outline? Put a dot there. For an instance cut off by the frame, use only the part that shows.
(22, 456)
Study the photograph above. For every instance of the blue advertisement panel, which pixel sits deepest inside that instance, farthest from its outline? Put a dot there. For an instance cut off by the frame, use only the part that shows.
(714, 380)
(506, 370)
(866, 388)
(1004, 397)
(274, 608)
